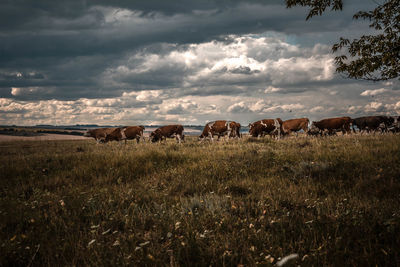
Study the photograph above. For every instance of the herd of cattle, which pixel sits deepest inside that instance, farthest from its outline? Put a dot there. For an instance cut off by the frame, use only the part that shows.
(274, 127)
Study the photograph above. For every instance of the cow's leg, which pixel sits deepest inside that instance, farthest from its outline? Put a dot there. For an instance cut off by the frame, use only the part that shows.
(211, 137)
(178, 138)
(137, 139)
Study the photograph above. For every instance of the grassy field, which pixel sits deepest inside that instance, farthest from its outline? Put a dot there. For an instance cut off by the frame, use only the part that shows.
(334, 201)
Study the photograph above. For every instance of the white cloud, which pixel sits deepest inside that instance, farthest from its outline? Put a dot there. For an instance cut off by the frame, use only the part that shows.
(17, 91)
(238, 108)
(374, 92)
(247, 59)
(148, 95)
(374, 107)
(271, 89)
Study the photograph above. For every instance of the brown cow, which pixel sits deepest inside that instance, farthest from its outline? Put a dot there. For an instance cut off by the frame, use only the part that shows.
(236, 130)
(220, 128)
(169, 131)
(266, 126)
(99, 134)
(126, 133)
(331, 126)
(374, 123)
(295, 125)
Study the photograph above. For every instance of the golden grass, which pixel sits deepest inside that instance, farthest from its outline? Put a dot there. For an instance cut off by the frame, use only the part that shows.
(333, 201)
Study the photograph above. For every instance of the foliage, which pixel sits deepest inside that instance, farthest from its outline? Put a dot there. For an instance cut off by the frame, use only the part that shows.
(374, 57)
(334, 201)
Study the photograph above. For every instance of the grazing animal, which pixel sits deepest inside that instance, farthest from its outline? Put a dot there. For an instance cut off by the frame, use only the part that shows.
(295, 125)
(220, 128)
(266, 126)
(126, 133)
(373, 123)
(331, 126)
(394, 127)
(99, 134)
(169, 131)
(236, 130)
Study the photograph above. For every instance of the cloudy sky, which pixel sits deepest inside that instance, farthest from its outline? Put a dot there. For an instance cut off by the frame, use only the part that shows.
(179, 61)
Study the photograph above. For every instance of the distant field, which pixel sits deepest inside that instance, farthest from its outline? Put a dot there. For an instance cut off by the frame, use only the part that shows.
(41, 137)
(333, 201)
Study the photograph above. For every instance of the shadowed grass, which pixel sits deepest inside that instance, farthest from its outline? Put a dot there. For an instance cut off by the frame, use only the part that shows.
(333, 200)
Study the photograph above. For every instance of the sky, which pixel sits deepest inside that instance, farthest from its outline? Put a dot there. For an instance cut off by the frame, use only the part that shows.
(158, 62)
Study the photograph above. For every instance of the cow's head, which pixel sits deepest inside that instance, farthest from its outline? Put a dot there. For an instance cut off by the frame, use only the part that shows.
(253, 130)
(200, 138)
(109, 138)
(88, 133)
(155, 136)
(314, 130)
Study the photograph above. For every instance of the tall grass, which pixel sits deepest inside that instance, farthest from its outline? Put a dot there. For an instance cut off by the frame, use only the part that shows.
(333, 201)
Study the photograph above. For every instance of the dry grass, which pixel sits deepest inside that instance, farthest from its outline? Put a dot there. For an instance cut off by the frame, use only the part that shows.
(333, 201)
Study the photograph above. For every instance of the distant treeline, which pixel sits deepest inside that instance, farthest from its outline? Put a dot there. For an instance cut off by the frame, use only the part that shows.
(15, 132)
(28, 132)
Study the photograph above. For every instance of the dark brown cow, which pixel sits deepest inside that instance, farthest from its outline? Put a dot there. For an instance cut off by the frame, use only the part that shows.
(266, 126)
(220, 128)
(126, 133)
(331, 126)
(374, 123)
(295, 125)
(99, 134)
(169, 131)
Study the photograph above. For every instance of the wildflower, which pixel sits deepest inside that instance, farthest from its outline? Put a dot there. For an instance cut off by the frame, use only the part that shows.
(62, 203)
(286, 259)
(269, 258)
(116, 243)
(144, 243)
(106, 232)
(91, 242)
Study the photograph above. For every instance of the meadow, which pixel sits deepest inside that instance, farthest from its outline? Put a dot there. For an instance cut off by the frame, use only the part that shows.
(334, 201)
